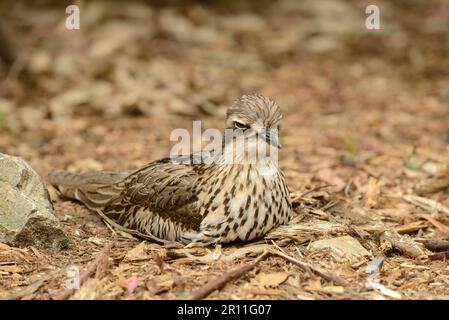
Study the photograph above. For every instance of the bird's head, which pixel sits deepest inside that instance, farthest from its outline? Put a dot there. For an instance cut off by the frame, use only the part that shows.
(255, 116)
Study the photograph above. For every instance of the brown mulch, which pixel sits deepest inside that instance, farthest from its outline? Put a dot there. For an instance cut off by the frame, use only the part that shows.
(365, 113)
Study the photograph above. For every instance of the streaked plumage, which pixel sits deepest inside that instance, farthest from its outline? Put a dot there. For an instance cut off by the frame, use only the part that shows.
(178, 199)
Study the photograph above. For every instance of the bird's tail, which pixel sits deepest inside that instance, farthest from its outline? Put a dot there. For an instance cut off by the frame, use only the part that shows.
(94, 189)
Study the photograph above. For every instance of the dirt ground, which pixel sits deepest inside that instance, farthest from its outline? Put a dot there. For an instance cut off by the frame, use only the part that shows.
(366, 115)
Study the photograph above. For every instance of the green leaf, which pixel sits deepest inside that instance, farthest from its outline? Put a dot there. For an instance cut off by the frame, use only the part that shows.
(410, 162)
(351, 144)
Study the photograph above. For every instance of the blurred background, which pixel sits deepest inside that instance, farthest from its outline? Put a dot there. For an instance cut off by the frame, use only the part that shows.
(108, 95)
(366, 114)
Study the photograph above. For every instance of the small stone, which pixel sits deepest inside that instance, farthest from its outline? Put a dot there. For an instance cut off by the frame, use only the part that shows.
(26, 213)
(341, 246)
(430, 168)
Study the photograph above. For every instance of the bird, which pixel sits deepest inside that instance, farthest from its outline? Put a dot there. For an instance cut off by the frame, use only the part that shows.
(226, 197)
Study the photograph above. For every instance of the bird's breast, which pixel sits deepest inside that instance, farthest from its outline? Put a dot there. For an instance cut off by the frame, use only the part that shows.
(244, 201)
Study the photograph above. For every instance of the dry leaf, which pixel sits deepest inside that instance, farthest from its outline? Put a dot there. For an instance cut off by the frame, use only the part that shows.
(157, 258)
(314, 285)
(334, 289)
(103, 266)
(18, 253)
(328, 176)
(271, 279)
(341, 246)
(129, 284)
(372, 194)
(136, 253)
(4, 246)
(265, 292)
(92, 289)
(160, 284)
(96, 241)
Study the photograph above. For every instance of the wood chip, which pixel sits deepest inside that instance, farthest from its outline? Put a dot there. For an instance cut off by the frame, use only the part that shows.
(404, 244)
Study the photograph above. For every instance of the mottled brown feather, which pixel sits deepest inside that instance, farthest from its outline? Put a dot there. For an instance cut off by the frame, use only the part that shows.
(178, 200)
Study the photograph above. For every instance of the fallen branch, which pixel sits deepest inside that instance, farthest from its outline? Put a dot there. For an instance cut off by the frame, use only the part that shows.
(229, 276)
(91, 269)
(435, 245)
(307, 267)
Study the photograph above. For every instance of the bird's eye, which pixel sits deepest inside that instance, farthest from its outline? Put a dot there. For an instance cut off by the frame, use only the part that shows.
(241, 126)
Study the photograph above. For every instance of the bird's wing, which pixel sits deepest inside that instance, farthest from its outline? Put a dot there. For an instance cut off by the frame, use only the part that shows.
(162, 186)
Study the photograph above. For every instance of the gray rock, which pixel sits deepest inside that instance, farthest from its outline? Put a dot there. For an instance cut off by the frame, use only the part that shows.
(26, 213)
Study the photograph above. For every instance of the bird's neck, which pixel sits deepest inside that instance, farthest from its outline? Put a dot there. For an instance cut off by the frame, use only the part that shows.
(248, 152)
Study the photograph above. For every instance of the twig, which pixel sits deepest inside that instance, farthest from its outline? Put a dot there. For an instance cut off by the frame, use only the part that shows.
(277, 247)
(411, 227)
(110, 227)
(435, 245)
(424, 203)
(91, 268)
(219, 282)
(307, 267)
(329, 205)
(443, 228)
(148, 237)
(316, 189)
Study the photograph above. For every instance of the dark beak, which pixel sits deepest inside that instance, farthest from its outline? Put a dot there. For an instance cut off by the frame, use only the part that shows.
(272, 137)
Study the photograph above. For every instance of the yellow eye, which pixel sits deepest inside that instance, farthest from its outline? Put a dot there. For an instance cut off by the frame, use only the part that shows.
(241, 126)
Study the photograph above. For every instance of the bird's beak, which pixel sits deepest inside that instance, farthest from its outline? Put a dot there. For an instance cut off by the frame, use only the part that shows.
(271, 136)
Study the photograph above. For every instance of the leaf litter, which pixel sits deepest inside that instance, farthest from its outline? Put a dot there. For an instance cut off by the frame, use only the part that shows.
(365, 114)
